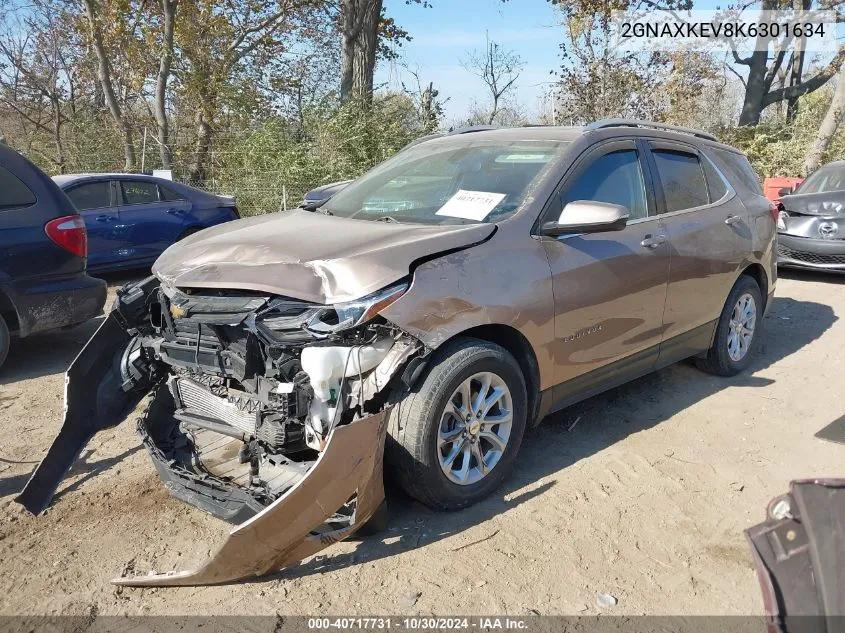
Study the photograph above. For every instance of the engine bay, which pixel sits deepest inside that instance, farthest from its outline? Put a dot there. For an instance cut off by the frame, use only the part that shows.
(247, 387)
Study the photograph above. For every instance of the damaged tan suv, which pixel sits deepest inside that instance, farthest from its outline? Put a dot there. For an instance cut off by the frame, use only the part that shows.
(429, 312)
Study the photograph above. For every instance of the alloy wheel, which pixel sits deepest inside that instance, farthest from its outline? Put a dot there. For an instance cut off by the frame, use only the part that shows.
(741, 327)
(475, 428)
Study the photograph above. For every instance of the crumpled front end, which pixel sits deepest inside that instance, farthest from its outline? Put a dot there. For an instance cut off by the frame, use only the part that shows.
(811, 232)
(265, 411)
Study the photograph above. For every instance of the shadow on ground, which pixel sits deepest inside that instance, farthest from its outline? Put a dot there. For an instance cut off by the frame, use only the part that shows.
(51, 352)
(13, 485)
(800, 274)
(45, 354)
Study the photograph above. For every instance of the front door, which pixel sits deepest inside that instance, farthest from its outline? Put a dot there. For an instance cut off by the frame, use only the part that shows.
(609, 288)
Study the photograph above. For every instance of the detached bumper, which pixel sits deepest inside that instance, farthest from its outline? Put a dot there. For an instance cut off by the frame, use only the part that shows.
(46, 305)
(297, 525)
(809, 253)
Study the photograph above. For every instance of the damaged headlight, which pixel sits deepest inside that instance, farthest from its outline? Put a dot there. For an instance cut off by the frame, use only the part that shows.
(361, 310)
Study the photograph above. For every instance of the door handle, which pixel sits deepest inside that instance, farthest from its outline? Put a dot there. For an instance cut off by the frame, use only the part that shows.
(103, 218)
(653, 241)
(731, 220)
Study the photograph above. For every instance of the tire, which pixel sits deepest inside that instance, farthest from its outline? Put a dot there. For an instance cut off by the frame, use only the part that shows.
(719, 360)
(412, 451)
(5, 340)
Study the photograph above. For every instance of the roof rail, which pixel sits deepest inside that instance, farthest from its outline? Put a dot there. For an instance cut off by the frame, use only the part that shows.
(469, 129)
(605, 123)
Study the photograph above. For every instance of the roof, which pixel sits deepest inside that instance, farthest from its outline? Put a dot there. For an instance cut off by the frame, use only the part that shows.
(570, 133)
(527, 133)
(66, 179)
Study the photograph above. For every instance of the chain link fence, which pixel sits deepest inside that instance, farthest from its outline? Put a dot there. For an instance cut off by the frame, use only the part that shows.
(268, 164)
(245, 164)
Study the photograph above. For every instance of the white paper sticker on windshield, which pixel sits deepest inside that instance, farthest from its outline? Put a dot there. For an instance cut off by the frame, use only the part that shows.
(471, 205)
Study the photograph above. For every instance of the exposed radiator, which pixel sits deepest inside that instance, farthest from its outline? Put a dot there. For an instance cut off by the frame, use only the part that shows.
(198, 399)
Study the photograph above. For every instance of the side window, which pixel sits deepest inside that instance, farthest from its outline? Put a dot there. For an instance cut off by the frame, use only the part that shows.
(739, 170)
(168, 195)
(682, 180)
(715, 183)
(14, 194)
(616, 178)
(139, 192)
(95, 195)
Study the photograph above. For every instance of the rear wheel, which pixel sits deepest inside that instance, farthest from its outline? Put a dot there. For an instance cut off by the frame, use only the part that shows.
(455, 437)
(5, 340)
(737, 330)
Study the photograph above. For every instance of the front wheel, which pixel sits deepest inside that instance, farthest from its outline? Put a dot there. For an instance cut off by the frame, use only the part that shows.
(737, 330)
(455, 437)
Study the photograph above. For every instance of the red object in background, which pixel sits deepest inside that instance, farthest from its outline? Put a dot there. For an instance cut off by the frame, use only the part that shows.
(771, 186)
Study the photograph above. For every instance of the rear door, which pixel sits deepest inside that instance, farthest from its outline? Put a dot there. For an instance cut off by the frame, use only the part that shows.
(709, 236)
(97, 204)
(150, 222)
(609, 288)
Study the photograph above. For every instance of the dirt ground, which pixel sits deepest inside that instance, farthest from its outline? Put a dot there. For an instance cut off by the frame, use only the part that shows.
(641, 493)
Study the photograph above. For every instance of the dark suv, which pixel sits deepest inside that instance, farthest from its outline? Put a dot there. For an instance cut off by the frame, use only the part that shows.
(43, 245)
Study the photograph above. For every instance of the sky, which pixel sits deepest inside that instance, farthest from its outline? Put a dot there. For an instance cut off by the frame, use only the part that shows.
(446, 33)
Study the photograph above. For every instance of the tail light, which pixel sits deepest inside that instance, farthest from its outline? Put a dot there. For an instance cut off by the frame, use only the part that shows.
(69, 233)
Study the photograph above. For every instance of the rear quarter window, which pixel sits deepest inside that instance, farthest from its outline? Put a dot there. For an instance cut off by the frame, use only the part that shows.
(715, 182)
(14, 194)
(168, 195)
(738, 170)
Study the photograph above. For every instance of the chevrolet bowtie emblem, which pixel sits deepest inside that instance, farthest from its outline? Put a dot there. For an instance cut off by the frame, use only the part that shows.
(177, 312)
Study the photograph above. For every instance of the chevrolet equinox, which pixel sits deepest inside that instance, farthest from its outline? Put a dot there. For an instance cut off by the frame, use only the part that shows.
(422, 317)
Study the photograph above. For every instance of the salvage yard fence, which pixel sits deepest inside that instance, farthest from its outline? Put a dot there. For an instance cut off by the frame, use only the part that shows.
(245, 164)
(267, 162)
(266, 168)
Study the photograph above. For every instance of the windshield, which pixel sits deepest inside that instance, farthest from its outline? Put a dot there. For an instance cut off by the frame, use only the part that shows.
(829, 178)
(457, 181)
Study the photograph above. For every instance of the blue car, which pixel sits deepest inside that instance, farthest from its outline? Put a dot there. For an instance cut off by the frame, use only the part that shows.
(132, 218)
(43, 285)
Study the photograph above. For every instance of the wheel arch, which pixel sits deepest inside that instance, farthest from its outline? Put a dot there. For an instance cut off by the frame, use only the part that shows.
(758, 274)
(517, 346)
(9, 312)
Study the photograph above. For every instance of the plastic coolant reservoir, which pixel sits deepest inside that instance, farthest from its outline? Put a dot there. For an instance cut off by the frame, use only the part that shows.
(327, 366)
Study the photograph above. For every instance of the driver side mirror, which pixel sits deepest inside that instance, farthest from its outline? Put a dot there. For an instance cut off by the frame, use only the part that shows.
(588, 216)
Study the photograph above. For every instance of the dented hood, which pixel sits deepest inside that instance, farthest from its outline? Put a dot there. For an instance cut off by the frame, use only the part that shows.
(829, 203)
(307, 255)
